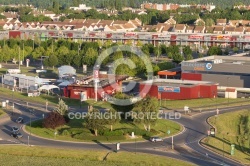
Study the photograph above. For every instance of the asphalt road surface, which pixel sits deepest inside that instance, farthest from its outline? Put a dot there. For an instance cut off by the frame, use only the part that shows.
(186, 144)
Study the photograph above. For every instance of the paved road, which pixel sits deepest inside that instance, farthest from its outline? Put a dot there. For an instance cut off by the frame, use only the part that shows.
(186, 144)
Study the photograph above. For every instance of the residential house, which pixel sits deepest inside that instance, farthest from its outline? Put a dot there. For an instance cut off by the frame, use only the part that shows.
(199, 22)
(244, 23)
(167, 28)
(92, 21)
(209, 29)
(218, 29)
(10, 15)
(239, 30)
(119, 28)
(247, 31)
(106, 22)
(180, 28)
(190, 29)
(81, 7)
(221, 22)
(170, 21)
(119, 22)
(229, 30)
(129, 27)
(199, 29)
(109, 28)
(139, 12)
(234, 23)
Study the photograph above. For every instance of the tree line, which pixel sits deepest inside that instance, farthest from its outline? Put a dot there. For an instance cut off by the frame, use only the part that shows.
(119, 3)
(68, 52)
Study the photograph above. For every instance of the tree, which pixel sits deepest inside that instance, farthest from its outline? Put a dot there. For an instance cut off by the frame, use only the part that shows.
(6, 53)
(187, 50)
(112, 118)
(214, 50)
(209, 22)
(121, 108)
(62, 108)
(51, 61)
(77, 60)
(235, 49)
(94, 121)
(148, 107)
(178, 58)
(90, 57)
(53, 120)
(157, 51)
(189, 57)
(38, 52)
(170, 55)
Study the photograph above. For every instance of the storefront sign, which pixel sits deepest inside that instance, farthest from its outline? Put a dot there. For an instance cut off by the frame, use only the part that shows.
(168, 89)
(198, 66)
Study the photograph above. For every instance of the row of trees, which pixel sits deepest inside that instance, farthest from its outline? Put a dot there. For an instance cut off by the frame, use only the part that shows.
(181, 15)
(117, 3)
(67, 52)
(95, 121)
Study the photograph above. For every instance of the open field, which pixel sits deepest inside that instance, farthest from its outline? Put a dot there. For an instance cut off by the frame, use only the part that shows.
(40, 156)
(230, 130)
(210, 103)
(75, 131)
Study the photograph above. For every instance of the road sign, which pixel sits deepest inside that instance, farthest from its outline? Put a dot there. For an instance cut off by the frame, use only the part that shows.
(168, 132)
(212, 132)
(232, 149)
(118, 146)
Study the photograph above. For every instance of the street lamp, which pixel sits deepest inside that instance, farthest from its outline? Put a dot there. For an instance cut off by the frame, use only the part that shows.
(227, 91)
(12, 101)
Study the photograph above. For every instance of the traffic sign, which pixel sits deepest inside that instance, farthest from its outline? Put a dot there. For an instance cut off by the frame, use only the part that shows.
(168, 132)
(232, 149)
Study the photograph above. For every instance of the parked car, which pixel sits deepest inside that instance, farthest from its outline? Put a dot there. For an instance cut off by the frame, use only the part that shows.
(19, 120)
(15, 129)
(16, 135)
(156, 139)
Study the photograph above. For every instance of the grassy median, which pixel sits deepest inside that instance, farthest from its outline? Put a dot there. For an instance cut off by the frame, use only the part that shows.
(23, 155)
(231, 128)
(75, 131)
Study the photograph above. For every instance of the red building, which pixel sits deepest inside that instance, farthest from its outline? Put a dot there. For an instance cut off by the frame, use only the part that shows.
(179, 89)
(107, 84)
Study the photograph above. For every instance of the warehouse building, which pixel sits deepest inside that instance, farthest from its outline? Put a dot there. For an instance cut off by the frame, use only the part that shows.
(178, 89)
(228, 71)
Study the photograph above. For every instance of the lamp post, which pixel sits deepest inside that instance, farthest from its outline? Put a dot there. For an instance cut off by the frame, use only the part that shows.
(12, 101)
(227, 91)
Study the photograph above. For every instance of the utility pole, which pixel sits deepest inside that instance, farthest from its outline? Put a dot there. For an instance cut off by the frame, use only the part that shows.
(19, 59)
(172, 142)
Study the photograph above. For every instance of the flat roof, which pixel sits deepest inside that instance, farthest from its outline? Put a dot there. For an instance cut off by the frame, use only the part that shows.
(241, 60)
(177, 83)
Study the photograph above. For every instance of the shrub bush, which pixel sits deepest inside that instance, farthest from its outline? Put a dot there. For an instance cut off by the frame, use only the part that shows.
(74, 131)
(113, 133)
(53, 120)
(65, 133)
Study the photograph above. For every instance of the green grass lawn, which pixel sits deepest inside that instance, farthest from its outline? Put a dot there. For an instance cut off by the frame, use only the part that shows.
(229, 130)
(40, 156)
(1, 112)
(75, 131)
(52, 100)
(179, 104)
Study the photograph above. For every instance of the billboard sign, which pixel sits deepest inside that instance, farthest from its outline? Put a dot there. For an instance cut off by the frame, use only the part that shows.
(169, 89)
(198, 66)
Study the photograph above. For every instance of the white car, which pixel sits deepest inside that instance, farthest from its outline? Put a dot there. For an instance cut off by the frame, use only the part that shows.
(156, 139)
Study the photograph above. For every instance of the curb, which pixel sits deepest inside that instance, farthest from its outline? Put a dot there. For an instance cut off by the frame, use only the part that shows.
(211, 150)
(24, 129)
